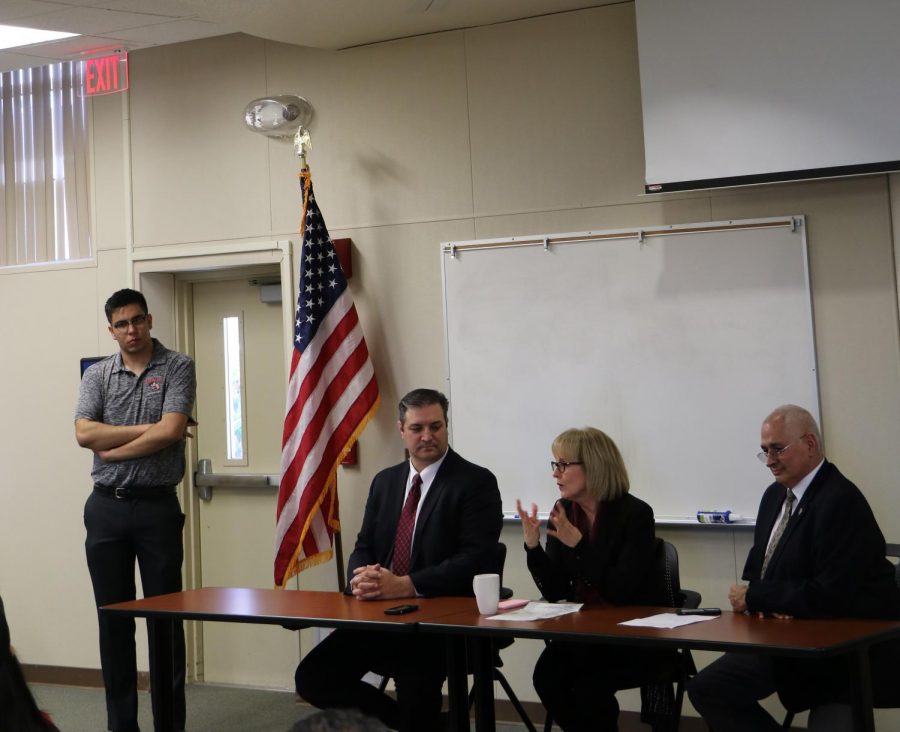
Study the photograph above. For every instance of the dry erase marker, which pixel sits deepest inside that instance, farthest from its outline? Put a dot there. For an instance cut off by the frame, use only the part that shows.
(717, 517)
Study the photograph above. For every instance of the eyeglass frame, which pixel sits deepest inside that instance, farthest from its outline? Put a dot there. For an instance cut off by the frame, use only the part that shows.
(763, 455)
(561, 465)
(121, 326)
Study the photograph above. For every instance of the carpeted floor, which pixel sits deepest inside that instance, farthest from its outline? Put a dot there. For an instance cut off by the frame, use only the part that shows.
(210, 709)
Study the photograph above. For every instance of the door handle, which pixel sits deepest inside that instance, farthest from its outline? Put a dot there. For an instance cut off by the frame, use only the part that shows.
(205, 480)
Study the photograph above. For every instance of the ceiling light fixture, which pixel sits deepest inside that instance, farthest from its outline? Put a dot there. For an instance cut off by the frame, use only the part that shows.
(279, 116)
(284, 117)
(13, 36)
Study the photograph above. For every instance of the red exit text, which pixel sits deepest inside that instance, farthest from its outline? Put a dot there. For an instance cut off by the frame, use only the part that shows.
(106, 75)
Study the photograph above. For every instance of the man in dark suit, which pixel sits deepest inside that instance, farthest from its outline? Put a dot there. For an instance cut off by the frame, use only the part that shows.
(430, 525)
(817, 552)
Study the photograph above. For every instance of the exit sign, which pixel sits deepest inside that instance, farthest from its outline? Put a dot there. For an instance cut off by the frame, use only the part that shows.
(106, 74)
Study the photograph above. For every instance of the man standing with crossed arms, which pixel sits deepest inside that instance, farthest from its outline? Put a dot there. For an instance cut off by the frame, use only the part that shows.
(431, 524)
(133, 413)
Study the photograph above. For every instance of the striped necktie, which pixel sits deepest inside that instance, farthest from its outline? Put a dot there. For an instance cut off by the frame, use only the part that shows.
(779, 530)
(405, 527)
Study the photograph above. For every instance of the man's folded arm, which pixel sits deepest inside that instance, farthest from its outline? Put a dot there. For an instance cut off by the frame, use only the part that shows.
(364, 550)
(170, 429)
(96, 435)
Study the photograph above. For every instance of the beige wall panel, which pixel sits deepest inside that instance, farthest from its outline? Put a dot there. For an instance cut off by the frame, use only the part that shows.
(555, 112)
(597, 218)
(389, 135)
(396, 285)
(111, 276)
(198, 174)
(110, 175)
(50, 324)
(894, 190)
(855, 311)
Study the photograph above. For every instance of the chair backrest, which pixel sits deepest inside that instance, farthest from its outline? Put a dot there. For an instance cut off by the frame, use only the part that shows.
(668, 572)
(500, 559)
(893, 551)
(667, 557)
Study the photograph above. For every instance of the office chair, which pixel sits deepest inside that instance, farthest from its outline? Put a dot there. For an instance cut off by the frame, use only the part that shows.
(659, 706)
(496, 647)
(891, 551)
(685, 667)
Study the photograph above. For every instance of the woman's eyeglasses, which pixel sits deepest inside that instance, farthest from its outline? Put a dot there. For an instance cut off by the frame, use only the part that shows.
(561, 465)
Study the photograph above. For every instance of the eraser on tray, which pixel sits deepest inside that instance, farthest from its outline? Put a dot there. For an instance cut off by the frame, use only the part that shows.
(511, 604)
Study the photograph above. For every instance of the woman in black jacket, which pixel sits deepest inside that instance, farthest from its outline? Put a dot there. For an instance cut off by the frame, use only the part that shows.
(601, 550)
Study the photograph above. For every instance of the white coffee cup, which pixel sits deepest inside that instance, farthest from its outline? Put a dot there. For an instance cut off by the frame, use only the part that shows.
(487, 592)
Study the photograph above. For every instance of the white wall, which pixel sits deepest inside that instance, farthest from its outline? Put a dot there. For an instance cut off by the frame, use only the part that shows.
(520, 128)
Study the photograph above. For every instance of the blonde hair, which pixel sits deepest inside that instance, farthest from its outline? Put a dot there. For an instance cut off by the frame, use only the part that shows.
(604, 470)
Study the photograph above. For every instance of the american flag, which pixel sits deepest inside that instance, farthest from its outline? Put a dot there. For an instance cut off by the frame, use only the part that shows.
(332, 393)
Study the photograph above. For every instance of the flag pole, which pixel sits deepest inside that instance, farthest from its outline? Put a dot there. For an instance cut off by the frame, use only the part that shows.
(339, 558)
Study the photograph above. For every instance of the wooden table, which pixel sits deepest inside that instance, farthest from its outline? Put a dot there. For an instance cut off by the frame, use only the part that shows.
(457, 619)
(729, 632)
(295, 608)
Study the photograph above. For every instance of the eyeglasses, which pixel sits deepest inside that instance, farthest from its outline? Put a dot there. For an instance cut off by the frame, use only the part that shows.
(137, 321)
(775, 452)
(561, 465)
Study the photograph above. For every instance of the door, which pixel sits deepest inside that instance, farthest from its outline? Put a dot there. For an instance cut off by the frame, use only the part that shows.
(239, 432)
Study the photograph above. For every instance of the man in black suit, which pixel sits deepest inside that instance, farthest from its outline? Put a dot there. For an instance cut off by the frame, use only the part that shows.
(817, 552)
(451, 508)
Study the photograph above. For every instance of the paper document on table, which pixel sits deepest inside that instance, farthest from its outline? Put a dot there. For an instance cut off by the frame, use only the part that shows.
(668, 620)
(539, 611)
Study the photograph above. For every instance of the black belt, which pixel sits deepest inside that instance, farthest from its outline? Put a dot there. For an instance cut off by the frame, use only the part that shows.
(130, 494)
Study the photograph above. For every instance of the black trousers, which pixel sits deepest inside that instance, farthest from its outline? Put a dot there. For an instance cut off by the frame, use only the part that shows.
(728, 691)
(577, 683)
(330, 675)
(119, 532)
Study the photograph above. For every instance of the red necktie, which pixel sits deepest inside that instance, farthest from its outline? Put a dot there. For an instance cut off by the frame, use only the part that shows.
(403, 540)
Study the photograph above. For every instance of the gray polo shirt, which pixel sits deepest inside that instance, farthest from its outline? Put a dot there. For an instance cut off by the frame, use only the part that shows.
(112, 394)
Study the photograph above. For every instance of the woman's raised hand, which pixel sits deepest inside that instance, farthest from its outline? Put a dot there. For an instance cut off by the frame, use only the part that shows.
(564, 530)
(531, 524)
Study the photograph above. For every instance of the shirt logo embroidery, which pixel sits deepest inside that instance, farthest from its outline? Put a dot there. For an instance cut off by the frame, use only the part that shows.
(153, 382)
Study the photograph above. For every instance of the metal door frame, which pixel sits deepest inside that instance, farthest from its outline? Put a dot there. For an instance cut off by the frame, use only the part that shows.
(165, 275)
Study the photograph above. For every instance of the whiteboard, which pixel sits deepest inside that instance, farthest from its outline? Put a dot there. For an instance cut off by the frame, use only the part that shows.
(676, 341)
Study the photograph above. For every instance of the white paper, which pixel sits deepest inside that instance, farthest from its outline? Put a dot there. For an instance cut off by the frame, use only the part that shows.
(668, 620)
(539, 611)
